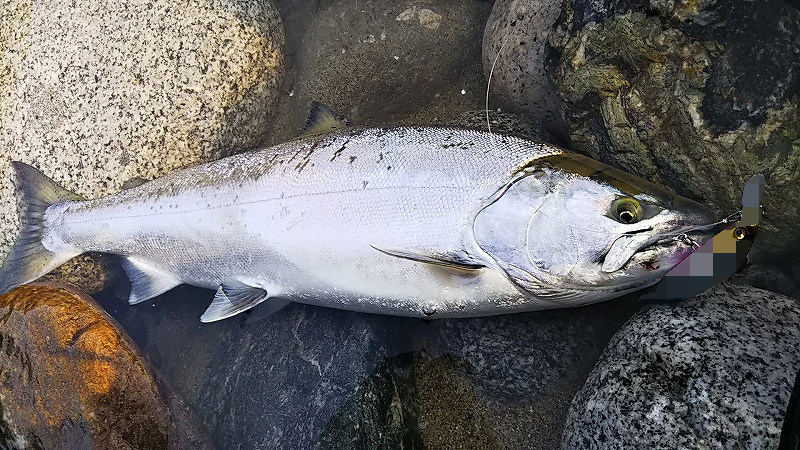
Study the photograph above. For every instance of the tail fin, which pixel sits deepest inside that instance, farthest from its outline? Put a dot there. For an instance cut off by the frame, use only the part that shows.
(28, 259)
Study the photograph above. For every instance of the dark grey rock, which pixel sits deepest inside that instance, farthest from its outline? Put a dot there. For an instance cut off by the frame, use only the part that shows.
(780, 279)
(515, 52)
(309, 377)
(525, 368)
(694, 96)
(383, 62)
(382, 413)
(715, 371)
(274, 383)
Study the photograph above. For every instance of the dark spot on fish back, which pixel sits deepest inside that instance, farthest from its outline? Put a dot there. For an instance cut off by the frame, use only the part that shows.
(338, 152)
(301, 165)
(352, 158)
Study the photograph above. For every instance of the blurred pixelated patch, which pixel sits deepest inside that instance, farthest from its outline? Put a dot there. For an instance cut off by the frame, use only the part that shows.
(718, 258)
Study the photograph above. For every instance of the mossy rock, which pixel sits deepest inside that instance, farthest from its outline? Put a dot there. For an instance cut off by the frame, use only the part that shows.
(695, 96)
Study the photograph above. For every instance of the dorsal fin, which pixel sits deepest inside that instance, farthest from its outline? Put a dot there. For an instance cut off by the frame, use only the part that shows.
(322, 119)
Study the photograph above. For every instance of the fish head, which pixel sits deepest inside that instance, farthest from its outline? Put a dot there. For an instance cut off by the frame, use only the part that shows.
(569, 223)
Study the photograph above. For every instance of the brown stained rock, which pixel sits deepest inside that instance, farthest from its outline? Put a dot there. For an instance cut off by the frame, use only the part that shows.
(448, 414)
(89, 272)
(67, 375)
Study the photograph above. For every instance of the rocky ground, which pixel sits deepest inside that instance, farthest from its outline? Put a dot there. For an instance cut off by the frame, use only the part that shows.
(696, 97)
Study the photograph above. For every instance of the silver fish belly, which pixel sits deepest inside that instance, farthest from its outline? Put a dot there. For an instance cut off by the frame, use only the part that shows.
(372, 220)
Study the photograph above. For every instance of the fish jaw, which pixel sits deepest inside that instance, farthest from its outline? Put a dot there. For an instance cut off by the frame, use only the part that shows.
(694, 221)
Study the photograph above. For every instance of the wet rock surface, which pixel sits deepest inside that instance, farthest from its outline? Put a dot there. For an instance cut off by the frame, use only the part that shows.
(779, 279)
(645, 89)
(515, 53)
(94, 94)
(306, 376)
(382, 62)
(89, 272)
(694, 96)
(70, 379)
(715, 371)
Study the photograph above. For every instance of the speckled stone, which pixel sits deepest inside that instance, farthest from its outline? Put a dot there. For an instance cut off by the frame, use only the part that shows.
(72, 379)
(712, 372)
(94, 94)
(381, 62)
(517, 30)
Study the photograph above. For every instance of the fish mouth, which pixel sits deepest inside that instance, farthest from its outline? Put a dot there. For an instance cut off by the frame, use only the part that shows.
(625, 247)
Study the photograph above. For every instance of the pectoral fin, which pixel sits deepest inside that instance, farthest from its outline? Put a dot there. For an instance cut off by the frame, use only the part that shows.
(146, 280)
(451, 264)
(231, 299)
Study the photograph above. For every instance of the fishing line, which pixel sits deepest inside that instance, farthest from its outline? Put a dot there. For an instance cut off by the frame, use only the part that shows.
(489, 84)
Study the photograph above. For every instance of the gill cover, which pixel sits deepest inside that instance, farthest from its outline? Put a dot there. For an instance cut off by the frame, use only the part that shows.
(501, 227)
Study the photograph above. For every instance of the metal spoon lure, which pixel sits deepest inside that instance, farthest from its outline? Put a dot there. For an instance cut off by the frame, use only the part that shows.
(718, 258)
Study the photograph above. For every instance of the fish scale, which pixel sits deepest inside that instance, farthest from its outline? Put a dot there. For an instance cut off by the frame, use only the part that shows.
(374, 220)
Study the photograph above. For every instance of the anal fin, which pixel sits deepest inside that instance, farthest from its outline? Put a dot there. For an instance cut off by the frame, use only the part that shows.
(146, 280)
(231, 299)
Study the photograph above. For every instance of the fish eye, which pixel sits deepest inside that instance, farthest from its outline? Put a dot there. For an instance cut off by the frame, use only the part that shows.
(626, 210)
(739, 233)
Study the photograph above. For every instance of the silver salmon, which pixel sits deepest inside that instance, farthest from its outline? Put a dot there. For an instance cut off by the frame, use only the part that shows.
(426, 222)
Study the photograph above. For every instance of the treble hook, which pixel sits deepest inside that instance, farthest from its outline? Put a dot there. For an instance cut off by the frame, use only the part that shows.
(687, 240)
